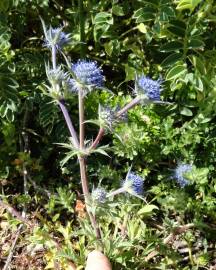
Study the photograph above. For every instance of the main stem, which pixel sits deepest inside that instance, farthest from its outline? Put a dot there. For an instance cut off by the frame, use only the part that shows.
(82, 159)
(82, 163)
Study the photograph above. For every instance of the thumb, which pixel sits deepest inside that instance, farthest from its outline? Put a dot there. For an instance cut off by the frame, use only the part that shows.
(97, 261)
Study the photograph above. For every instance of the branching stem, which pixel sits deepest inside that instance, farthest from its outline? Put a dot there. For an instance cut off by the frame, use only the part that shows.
(73, 134)
(101, 131)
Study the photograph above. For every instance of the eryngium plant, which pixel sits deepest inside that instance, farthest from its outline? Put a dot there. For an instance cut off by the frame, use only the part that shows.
(79, 79)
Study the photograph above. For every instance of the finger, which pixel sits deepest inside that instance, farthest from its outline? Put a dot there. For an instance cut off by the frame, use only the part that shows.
(97, 261)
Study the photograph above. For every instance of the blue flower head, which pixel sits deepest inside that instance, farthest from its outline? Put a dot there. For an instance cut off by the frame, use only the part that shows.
(133, 184)
(148, 88)
(180, 172)
(99, 195)
(56, 37)
(87, 75)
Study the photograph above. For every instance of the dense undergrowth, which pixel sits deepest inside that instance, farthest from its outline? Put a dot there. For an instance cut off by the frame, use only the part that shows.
(171, 40)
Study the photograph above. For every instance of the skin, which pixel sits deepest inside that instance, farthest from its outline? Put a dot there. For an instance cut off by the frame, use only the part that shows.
(97, 261)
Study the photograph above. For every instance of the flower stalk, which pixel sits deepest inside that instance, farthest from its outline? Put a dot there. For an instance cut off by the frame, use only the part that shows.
(69, 123)
(126, 108)
(54, 57)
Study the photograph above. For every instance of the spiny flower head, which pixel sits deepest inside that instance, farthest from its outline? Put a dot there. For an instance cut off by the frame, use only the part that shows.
(56, 37)
(87, 75)
(55, 75)
(99, 195)
(180, 172)
(133, 184)
(106, 116)
(148, 88)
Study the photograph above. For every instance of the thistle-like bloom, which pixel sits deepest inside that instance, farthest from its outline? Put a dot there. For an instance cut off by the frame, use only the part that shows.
(147, 88)
(133, 184)
(99, 195)
(107, 116)
(87, 75)
(180, 172)
(55, 75)
(56, 37)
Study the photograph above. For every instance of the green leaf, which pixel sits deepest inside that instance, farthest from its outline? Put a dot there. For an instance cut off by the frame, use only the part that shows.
(198, 63)
(171, 46)
(188, 4)
(187, 112)
(103, 18)
(47, 114)
(112, 47)
(195, 43)
(177, 27)
(144, 14)
(118, 10)
(176, 72)
(142, 28)
(178, 31)
(8, 96)
(147, 209)
(166, 13)
(171, 59)
(101, 150)
(5, 5)
(130, 72)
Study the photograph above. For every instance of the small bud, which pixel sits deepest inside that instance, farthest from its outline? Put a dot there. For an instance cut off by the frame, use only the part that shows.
(106, 116)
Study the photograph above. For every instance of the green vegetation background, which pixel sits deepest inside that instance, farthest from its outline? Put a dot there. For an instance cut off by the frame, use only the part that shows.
(172, 39)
